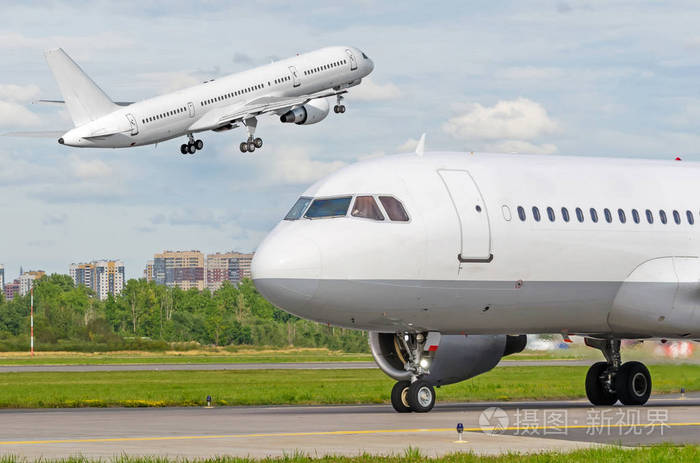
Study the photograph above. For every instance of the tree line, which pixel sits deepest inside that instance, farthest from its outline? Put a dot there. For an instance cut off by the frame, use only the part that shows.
(148, 316)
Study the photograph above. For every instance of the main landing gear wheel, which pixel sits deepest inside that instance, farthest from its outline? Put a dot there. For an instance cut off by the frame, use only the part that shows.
(191, 148)
(258, 142)
(633, 383)
(244, 147)
(399, 397)
(420, 396)
(251, 146)
(595, 387)
(183, 148)
(199, 144)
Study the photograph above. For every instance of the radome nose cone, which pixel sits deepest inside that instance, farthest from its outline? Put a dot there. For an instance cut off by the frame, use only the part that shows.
(286, 269)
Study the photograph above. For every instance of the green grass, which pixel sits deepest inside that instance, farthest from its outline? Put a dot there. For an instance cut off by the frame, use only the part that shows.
(199, 356)
(661, 453)
(275, 387)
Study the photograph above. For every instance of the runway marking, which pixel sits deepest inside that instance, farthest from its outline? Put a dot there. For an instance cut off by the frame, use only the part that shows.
(331, 433)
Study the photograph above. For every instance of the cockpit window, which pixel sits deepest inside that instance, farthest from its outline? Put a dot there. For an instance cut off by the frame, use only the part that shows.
(333, 207)
(363, 55)
(366, 207)
(298, 209)
(394, 209)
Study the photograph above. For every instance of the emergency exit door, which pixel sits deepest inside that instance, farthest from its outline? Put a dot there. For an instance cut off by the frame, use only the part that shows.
(472, 216)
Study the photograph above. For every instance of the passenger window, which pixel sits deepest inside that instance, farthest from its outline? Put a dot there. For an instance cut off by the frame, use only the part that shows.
(689, 215)
(621, 215)
(550, 214)
(676, 217)
(298, 209)
(366, 207)
(594, 215)
(608, 215)
(650, 216)
(536, 213)
(579, 214)
(394, 209)
(333, 207)
(565, 214)
(521, 213)
(662, 216)
(635, 215)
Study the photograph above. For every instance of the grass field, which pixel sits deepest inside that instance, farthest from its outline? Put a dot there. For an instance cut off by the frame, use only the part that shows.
(268, 387)
(663, 454)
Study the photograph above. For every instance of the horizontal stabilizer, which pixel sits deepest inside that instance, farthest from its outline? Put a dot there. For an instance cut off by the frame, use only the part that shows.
(36, 134)
(84, 99)
(59, 102)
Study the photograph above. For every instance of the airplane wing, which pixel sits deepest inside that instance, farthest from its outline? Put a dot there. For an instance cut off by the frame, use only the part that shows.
(259, 106)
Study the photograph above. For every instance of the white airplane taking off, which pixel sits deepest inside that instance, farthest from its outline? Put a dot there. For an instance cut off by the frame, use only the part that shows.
(450, 259)
(294, 89)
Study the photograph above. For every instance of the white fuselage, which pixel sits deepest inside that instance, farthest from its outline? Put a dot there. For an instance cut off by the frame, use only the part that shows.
(466, 262)
(179, 113)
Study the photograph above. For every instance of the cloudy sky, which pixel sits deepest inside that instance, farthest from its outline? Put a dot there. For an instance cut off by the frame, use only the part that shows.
(553, 77)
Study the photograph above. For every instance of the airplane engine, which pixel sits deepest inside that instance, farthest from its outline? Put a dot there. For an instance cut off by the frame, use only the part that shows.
(458, 357)
(312, 112)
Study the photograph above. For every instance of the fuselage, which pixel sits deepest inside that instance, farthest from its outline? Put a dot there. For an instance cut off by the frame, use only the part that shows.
(496, 244)
(175, 114)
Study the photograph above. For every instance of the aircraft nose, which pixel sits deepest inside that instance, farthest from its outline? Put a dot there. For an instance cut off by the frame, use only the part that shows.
(286, 269)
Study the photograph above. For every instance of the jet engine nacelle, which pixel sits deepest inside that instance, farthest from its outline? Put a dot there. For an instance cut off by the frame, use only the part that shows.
(458, 357)
(312, 112)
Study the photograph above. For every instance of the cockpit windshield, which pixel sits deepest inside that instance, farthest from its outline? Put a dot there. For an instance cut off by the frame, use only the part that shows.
(363, 55)
(332, 207)
(298, 209)
(366, 207)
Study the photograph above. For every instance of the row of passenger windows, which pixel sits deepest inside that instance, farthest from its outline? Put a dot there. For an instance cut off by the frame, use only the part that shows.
(232, 94)
(325, 67)
(164, 115)
(363, 206)
(608, 215)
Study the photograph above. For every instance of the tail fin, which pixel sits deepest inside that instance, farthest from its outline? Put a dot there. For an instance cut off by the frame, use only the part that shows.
(84, 99)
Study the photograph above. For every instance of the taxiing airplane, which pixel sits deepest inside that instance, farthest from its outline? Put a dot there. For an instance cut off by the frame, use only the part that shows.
(294, 89)
(450, 259)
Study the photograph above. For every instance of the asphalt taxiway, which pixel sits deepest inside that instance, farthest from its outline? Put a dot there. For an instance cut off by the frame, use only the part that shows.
(490, 428)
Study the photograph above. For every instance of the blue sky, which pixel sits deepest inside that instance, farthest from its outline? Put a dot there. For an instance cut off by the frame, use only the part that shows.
(555, 77)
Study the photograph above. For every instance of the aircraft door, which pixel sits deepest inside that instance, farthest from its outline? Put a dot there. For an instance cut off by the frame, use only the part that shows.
(132, 123)
(295, 76)
(351, 58)
(190, 108)
(469, 205)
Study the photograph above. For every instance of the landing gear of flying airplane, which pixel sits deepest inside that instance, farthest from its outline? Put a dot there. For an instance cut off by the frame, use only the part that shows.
(192, 146)
(610, 381)
(339, 107)
(250, 145)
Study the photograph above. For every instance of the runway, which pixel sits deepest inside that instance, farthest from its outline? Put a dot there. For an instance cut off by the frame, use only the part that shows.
(249, 366)
(348, 430)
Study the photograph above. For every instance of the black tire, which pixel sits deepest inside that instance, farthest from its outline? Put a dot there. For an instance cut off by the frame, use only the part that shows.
(342, 109)
(633, 383)
(243, 147)
(335, 109)
(183, 149)
(421, 396)
(399, 394)
(251, 146)
(199, 144)
(191, 148)
(258, 142)
(595, 391)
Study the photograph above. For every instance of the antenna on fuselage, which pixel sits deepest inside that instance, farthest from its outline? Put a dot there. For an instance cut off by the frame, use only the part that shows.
(420, 147)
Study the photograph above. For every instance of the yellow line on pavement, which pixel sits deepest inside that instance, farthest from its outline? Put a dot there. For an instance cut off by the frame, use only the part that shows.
(337, 433)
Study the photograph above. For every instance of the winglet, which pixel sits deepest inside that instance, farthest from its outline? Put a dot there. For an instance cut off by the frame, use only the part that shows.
(420, 147)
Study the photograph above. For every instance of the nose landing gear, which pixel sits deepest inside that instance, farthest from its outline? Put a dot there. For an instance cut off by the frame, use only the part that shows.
(339, 108)
(416, 395)
(610, 381)
(192, 146)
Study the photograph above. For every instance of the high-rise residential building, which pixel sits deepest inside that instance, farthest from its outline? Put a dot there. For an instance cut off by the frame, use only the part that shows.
(104, 277)
(26, 280)
(184, 269)
(229, 266)
(148, 271)
(2, 278)
(11, 289)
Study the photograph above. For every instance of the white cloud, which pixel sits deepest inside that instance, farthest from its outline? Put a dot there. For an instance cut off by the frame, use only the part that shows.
(18, 93)
(408, 146)
(295, 166)
(519, 119)
(369, 90)
(90, 169)
(16, 115)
